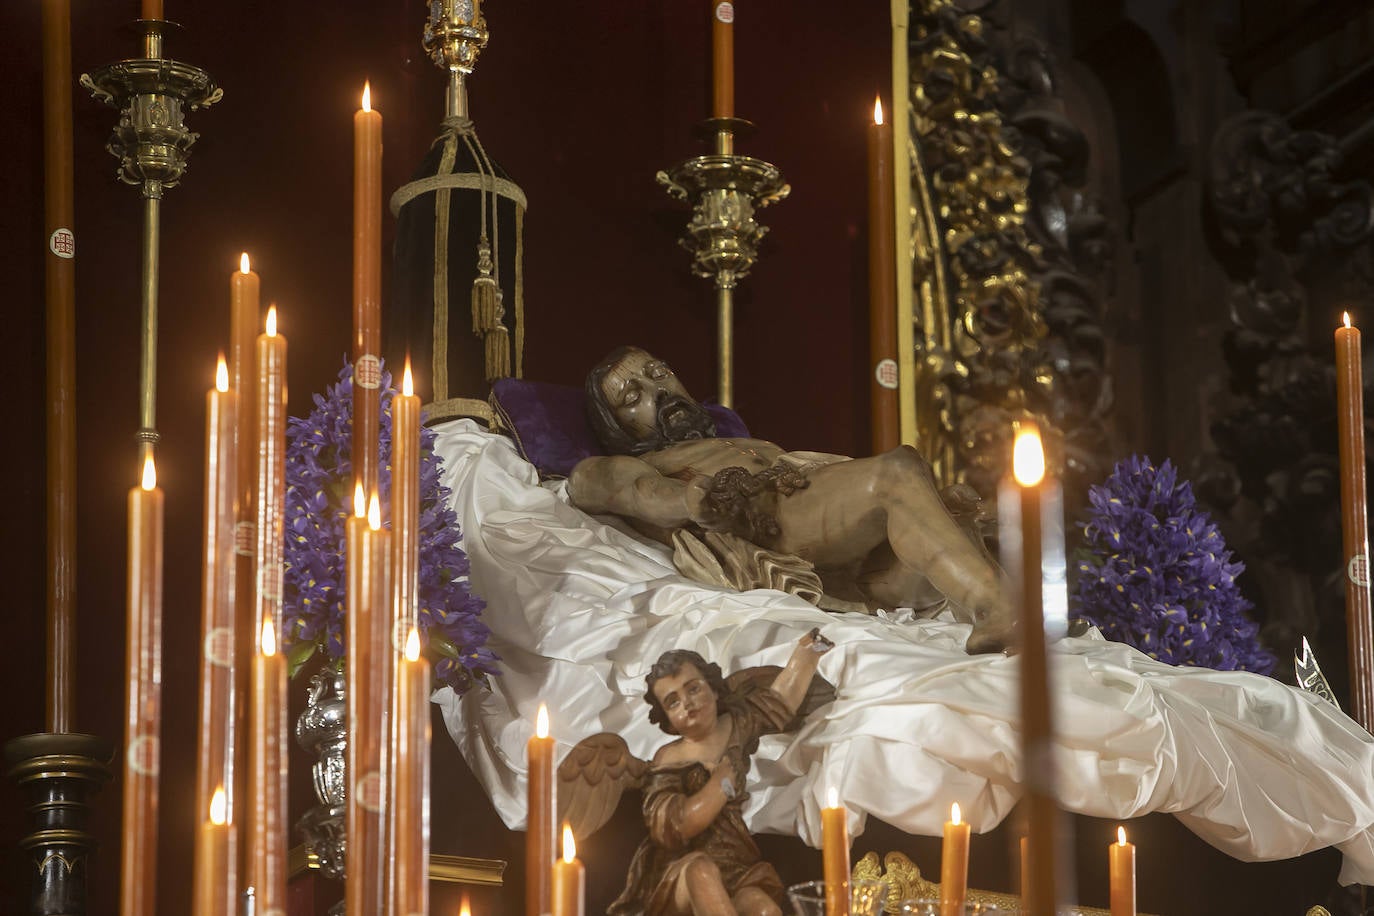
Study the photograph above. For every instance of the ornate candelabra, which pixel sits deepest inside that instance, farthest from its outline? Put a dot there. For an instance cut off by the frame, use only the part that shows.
(151, 142)
(725, 189)
(455, 33)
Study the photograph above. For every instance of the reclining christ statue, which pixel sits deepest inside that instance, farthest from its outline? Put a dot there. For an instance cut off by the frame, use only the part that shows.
(874, 529)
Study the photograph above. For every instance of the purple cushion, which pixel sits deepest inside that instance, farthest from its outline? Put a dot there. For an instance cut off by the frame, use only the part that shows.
(549, 423)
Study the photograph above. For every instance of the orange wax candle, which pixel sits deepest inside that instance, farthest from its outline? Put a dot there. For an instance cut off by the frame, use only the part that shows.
(152, 9)
(214, 887)
(368, 669)
(954, 864)
(267, 779)
(569, 879)
(412, 781)
(882, 286)
(835, 854)
(1020, 502)
(143, 698)
(539, 819)
(1121, 858)
(216, 859)
(367, 289)
(1354, 522)
(722, 59)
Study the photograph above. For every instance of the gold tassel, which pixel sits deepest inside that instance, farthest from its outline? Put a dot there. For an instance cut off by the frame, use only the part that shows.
(498, 353)
(485, 303)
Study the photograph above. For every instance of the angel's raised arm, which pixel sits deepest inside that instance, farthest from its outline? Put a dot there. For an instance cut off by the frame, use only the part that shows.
(795, 677)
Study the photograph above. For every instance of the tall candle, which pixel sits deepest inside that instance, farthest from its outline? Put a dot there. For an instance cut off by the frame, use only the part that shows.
(268, 743)
(216, 858)
(267, 779)
(367, 289)
(412, 781)
(1028, 506)
(214, 887)
(882, 287)
(954, 864)
(722, 59)
(1121, 859)
(1354, 522)
(244, 321)
(539, 819)
(368, 670)
(143, 698)
(835, 854)
(152, 9)
(569, 879)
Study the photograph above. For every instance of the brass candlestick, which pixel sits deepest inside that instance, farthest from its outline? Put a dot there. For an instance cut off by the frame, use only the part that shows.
(725, 189)
(455, 33)
(151, 142)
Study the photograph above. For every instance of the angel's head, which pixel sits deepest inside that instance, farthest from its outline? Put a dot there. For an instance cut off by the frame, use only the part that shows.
(684, 693)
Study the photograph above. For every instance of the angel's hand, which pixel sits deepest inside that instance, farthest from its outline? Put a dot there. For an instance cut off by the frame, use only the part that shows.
(816, 642)
(726, 778)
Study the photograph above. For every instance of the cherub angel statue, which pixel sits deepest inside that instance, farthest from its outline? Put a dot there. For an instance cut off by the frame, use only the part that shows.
(699, 858)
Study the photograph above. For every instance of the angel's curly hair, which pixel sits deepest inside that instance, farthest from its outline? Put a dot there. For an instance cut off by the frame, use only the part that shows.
(669, 664)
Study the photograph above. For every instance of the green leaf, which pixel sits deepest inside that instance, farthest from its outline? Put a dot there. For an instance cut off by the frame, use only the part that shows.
(300, 653)
(439, 643)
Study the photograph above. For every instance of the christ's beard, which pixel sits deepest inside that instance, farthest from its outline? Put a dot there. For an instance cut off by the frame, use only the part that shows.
(680, 419)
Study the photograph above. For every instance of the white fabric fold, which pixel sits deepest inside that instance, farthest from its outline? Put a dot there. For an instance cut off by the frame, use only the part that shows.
(579, 609)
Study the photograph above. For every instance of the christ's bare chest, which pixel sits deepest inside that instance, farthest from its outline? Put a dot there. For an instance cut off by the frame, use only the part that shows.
(707, 456)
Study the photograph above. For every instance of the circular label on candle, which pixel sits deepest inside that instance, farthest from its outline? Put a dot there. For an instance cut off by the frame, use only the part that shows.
(142, 755)
(62, 243)
(725, 12)
(219, 647)
(886, 373)
(1358, 570)
(245, 539)
(367, 371)
(369, 790)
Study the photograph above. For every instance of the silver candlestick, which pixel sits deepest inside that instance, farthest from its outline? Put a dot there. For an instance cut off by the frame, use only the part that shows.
(151, 142)
(724, 189)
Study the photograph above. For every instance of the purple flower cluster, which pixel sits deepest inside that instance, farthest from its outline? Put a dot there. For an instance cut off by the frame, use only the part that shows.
(319, 499)
(1155, 573)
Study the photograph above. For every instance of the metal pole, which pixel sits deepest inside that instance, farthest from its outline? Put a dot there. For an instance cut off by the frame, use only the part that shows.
(725, 343)
(147, 370)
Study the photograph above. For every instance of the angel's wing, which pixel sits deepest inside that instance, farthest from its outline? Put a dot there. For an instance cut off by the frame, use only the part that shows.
(746, 680)
(592, 778)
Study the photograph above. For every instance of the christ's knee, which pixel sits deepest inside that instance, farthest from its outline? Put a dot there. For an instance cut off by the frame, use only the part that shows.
(903, 466)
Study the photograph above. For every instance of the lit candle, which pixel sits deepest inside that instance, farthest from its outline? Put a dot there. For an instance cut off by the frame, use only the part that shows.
(367, 289)
(143, 698)
(412, 781)
(569, 879)
(1121, 858)
(882, 286)
(152, 9)
(722, 59)
(1030, 513)
(368, 670)
(214, 889)
(1354, 522)
(954, 864)
(268, 837)
(835, 854)
(216, 859)
(245, 320)
(539, 819)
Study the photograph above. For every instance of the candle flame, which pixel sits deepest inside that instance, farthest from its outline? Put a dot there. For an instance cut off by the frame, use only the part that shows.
(221, 374)
(272, 320)
(877, 110)
(413, 645)
(569, 845)
(1121, 836)
(359, 501)
(269, 636)
(465, 909)
(219, 807)
(374, 513)
(243, 263)
(541, 722)
(832, 797)
(149, 474)
(954, 813)
(407, 382)
(1028, 457)
(367, 96)
(1345, 317)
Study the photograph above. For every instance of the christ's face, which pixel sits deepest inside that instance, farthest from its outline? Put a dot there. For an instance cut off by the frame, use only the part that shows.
(688, 701)
(647, 398)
